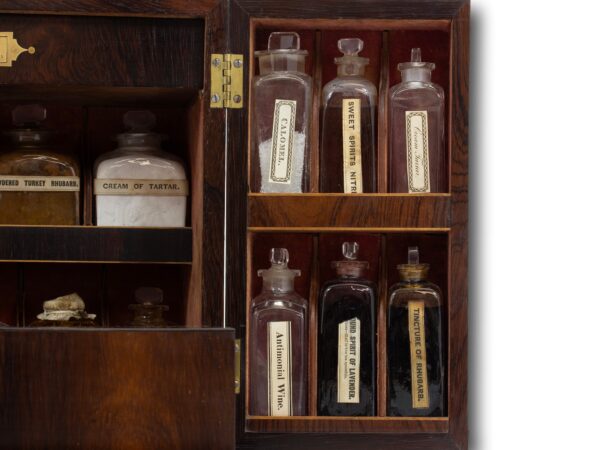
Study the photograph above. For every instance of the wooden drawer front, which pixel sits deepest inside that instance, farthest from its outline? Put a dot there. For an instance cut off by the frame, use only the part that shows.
(106, 51)
(117, 389)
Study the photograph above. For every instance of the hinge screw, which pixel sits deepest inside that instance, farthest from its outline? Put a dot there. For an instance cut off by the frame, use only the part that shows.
(237, 98)
(215, 98)
(216, 62)
(237, 63)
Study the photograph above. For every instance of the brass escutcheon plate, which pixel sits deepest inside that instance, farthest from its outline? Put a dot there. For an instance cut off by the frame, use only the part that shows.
(10, 49)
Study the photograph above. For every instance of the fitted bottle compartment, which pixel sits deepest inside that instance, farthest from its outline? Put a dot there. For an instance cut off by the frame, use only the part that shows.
(312, 254)
(386, 45)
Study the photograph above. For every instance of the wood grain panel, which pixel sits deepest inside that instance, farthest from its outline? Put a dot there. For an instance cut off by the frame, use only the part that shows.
(126, 51)
(125, 389)
(368, 210)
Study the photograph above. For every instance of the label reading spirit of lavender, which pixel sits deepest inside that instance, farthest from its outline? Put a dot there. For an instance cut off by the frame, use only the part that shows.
(348, 377)
(353, 179)
(282, 144)
(417, 151)
(418, 354)
(38, 183)
(104, 186)
(280, 368)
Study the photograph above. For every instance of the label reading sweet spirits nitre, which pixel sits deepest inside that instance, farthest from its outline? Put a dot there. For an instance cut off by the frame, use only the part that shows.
(348, 378)
(38, 183)
(282, 145)
(104, 186)
(353, 179)
(417, 151)
(280, 368)
(418, 355)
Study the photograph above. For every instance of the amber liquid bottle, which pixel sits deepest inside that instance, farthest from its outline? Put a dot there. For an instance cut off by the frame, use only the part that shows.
(414, 345)
(347, 152)
(346, 344)
(278, 343)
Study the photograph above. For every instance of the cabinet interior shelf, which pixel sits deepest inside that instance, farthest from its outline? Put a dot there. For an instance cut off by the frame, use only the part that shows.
(95, 244)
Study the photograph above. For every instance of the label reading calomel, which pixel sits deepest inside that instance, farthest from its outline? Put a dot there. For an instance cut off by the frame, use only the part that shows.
(282, 145)
(280, 368)
(418, 355)
(417, 151)
(348, 378)
(353, 178)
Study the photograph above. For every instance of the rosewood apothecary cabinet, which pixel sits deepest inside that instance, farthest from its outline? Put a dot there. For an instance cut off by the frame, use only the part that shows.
(191, 63)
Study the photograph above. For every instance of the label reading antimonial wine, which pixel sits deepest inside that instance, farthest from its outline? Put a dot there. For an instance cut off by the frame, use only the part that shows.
(18, 183)
(348, 378)
(417, 151)
(280, 368)
(282, 145)
(103, 186)
(418, 354)
(353, 179)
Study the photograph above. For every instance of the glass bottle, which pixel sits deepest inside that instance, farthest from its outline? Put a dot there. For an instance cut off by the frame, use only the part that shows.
(415, 364)
(139, 184)
(39, 184)
(348, 151)
(281, 110)
(346, 344)
(65, 311)
(278, 343)
(417, 153)
(148, 311)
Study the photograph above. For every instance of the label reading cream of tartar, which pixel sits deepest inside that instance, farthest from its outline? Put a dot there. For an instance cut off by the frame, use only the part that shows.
(417, 151)
(353, 179)
(280, 368)
(17, 183)
(418, 355)
(105, 186)
(348, 377)
(282, 144)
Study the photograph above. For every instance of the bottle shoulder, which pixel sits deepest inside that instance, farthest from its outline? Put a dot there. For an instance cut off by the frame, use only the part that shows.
(139, 164)
(402, 292)
(278, 76)
(417, 88)
(348, 87)
(38, 161)
(269, 300)
(358, 284)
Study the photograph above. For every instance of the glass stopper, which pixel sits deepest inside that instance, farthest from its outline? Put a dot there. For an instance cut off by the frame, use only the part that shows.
(149, 295)
(350, 250)
(28, 115)
(413, 255)
(415, 55)
(284, 40)
(139, 121)
(350, 46)
(280, 257)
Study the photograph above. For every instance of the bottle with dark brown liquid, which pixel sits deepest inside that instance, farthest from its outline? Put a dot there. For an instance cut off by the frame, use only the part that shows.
(346, 345)
(414, 344)
(348, 121)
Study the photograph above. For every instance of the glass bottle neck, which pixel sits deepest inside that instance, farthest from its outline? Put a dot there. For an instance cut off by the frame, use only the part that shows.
(416, 74)
(281, 63)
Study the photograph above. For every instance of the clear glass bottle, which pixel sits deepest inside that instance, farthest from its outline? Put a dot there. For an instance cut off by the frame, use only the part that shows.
(39, 184)
(348, 125)
(346, 345)
(148, 311)
(281, 111)
(278, 343)
(139, 184)
(415, 339)
(65, 311)
(417, 152)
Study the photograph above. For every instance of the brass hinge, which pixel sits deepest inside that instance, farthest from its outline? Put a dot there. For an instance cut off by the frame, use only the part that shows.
(10, 49)
(226, 81)
(238, 366)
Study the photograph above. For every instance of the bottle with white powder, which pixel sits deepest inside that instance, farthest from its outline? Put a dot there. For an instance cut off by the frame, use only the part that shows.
(139, 184)
(281, 106)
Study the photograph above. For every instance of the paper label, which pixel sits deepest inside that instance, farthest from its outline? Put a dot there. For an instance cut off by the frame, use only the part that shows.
(348, 378)
(105, 186)
(282, 144)
(417, 151)
(38, 183)
(280, 368)
(418, 355)
(353, 179)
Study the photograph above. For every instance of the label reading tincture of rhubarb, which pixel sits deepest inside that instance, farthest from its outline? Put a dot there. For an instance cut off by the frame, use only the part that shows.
(348, 378)
(353, 178)
(16, 183)
(417, 151)
(280, 368)
(282, 144)
(140, 187)
(418, 355)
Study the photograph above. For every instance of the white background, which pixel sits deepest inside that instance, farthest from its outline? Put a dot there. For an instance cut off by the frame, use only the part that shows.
(534, 225)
